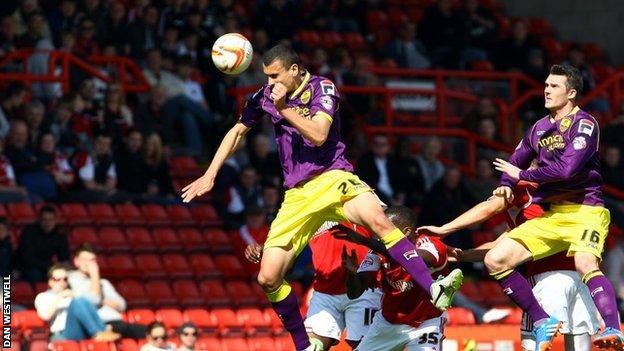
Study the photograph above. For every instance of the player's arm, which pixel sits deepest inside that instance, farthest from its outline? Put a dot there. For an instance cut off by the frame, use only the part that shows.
(477, 254)
(315, 129)
(359, 278)
(582, 146)
(343, 232)
(521, 158)
(479, 213)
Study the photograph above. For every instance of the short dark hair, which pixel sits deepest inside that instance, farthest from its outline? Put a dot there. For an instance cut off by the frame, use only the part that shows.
(154, 325)
(47, 209)
(286, 55)
(402, 216)
(574, 79)
(55, 267)
(187, 325)
(85, 248)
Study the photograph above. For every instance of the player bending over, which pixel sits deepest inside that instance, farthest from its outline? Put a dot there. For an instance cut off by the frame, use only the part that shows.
(320, 186)
(407, 319)
(556, 284)
(565, 144)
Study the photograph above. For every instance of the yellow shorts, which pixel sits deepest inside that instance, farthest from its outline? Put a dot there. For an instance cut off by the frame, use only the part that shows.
(565, 227)
(308, 206)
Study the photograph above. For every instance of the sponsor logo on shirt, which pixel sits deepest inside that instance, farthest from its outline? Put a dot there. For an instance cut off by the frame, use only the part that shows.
(565, 124)
(400, 285)
(552, 142)
(327, 102)
(579, 143)
(328, 87)
(508, 291)
(586, 127)
(303, 111)
(540, 132)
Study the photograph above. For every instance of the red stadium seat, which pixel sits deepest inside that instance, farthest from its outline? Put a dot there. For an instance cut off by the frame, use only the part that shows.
(180, 215)
(160, 293)
(284, 343)
(230, 267)
(229, 323)
(355, 41)
(187, 292)
(150, 265)
(39, 345)
(134, 293)
(460, 316)
(205, 214)
(256, 321)
(102, 214)
(155, 215)
(76, 214)
(83, 235)
(540, 27)
(123, 266)
(261, 297)
(235, 344)
(211, 344)
(184, 167)
(202, 318)
(261, 343)
(30, 322)
(192, 239)
(515, 317)
(276, 324)
(554, 49)
(91, 345)
(214, 294)
(171, 317)
(129, 214)
(397, 17)
(140, 239)
(16, 345)
(166, 239)
(40, 287)
(310, 38)
(376, 20)
(127, 345)
(241, 293)
(140, 316)
(20, 213)
(472, 291)
(494, 293)
(330, 39)
(64, 345)
(176, 266)
(218, 241)
(203, 266)
(22, 293)
(112, 239)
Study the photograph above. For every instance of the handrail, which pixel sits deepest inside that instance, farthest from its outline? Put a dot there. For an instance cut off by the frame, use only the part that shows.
(130, 77)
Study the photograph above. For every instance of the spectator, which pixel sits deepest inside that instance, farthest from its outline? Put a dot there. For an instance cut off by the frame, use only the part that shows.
(264, 160)
(410, 172)
(160, 186)
(6, 249)
(171, 44)
(428, 160)
(117, 115)
(92, 9)
(173, 15)
(270, 201)
(513, 52)
(113, 30)
(64, 19)
(481, 25)
(157, 75)
(142, 34)
(131, 166)
(443, 33)
(28, 171)
(243, 195)
(612, 169)
(37, 123)
(156, 337)
(188, 336)
(612, 132)
(192, 89)
(485, 180)
(87, 283)
(536, 65)
(278, 17)
(55, 163)
(9, 190)
(150, 116)
(406, 50)
(23, 13)
(485, 108)
(253, 232)
(8, 35)
(36, 33)
(97, 174)
(12, 107)
(69, 317)
(61, 127)
(39, 243)
(379, 169)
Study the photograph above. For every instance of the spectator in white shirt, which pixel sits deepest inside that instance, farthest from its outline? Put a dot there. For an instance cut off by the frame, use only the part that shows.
(430, 166)
(192, 89)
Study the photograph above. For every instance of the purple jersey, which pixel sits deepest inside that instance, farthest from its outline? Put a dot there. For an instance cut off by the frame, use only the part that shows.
(567, 155)
(301, 159)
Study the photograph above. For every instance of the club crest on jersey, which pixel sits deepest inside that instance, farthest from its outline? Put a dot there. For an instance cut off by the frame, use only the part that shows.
(327, 87)
(410, 254)
(579, 143)
(327, 102)
(586, 127)
(565, 124)
(305, 97)
(367, 262)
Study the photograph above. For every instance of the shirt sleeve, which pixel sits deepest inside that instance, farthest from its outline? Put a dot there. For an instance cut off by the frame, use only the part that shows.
(521, 157)
(325, 100)
(87, 172)
(579, 149)
(252, 111)
(109, 293)
(370, 263)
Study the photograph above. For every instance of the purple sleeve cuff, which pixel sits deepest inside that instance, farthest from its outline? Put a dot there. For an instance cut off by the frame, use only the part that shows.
(508, 181)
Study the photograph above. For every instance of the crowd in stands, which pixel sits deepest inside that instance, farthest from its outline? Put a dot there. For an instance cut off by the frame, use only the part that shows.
(97, 143)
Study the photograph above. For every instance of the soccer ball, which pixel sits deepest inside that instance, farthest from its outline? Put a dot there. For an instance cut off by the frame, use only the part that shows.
(232, 53)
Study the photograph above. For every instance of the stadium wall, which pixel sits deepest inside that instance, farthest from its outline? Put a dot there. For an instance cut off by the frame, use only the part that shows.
(579, 20)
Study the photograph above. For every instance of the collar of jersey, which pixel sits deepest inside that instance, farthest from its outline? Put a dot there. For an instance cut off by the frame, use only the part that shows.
(296, 93)
(574, 111)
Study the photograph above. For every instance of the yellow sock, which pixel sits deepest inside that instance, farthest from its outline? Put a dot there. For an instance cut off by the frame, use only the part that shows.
(392, 238)
(502, 274)
(591, 274)
(281, 293)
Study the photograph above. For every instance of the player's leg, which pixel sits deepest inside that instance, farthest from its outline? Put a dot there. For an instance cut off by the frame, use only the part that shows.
(385, 336)
(359, 315)
(428, 336)
(365, 209)
(577, 342)
(325, 320)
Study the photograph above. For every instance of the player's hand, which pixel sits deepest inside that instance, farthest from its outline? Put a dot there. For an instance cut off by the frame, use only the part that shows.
(453, 254)
(93, 269)
(505, 192)
(349, 261)
(507, 168)
(433, 230)
(278, 95)
(199, 187)
(253, 253)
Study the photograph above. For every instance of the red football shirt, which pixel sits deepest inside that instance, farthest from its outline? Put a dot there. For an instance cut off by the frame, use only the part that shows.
(403, 301)
(528, 211)
(329, 276)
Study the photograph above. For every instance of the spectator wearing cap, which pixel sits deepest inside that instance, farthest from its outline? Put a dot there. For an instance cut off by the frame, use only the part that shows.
(188, 334)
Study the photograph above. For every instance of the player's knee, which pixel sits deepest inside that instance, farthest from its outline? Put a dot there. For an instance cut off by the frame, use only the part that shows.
(269, 282)
(495, 262)
(379, 223)
(585, 263)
